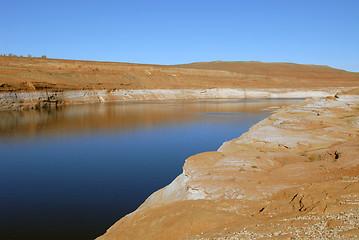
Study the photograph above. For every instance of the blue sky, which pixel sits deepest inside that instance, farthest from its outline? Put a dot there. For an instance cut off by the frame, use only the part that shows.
(173, 32)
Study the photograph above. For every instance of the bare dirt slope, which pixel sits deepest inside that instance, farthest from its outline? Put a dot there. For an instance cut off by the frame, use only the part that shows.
(39, 74)
(273, 69)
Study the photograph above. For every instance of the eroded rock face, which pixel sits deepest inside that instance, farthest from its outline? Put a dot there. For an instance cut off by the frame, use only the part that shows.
(269, 170)
(48, 99)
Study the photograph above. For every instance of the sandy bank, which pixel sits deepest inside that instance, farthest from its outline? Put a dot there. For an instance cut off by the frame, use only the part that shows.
(292, 175)
(41, 99)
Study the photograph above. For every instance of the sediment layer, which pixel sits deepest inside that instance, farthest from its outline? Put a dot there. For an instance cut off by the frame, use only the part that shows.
(292, 175)
(41, 99)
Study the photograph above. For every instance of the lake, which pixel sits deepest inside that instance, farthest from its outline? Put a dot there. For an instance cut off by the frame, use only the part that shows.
(71, 172)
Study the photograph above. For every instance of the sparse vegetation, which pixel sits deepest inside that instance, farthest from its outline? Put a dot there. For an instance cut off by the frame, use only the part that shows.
(304, 154)
(21, 55)
(314, 157)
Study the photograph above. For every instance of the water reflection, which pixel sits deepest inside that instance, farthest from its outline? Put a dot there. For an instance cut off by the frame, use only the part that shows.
(71, 173)
(121, 116)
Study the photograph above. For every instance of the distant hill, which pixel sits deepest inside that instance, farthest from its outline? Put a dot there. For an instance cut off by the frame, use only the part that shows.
(42, 74)
(273, 69)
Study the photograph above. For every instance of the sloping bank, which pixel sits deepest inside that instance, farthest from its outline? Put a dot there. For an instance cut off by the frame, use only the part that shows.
(288, 166)
(43, 99)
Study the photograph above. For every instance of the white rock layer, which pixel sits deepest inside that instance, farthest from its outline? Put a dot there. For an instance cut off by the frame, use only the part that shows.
(26, 100)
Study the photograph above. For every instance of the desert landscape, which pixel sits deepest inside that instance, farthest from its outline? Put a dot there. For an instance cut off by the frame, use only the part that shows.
(294, 175)
(42, 74)
(40, 82)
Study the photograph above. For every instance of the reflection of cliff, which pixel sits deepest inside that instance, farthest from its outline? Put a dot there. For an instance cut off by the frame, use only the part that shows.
(121, 116)
(72, 119)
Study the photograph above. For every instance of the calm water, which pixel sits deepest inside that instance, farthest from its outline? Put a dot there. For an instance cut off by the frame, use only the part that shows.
(71, 173)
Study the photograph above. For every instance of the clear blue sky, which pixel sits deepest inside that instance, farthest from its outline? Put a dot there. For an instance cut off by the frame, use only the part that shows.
(171, 32)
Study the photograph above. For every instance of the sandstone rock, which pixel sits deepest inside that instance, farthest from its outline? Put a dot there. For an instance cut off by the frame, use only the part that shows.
(260, 183)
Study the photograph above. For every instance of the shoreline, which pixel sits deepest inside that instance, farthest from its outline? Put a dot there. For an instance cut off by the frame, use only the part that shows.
(300, 161)
(44, 99)
(316, 138)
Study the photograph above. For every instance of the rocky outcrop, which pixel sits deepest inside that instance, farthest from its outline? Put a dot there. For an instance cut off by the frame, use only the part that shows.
(44, 99)
(283, 168)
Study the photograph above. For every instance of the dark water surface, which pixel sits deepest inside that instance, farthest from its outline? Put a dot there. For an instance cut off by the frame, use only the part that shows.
(71, 173)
